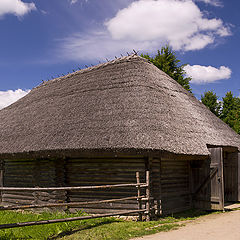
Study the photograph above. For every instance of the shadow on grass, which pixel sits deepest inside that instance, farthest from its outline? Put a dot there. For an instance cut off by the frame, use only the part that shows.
(89, 226)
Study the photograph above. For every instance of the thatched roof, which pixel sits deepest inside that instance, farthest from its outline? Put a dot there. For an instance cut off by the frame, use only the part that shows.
(124, 104)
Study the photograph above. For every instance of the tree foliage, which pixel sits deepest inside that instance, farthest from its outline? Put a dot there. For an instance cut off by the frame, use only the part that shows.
(167, 61)
(228, 109)
(210, 99)
(231, 111)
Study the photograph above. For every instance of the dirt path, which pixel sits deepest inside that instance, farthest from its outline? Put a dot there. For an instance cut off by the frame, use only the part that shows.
(224, 226)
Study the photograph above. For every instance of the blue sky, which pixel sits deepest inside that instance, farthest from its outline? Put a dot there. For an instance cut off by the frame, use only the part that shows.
(43, 39)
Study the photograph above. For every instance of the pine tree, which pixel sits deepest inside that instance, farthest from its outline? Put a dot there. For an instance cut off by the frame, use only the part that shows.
(210, 99)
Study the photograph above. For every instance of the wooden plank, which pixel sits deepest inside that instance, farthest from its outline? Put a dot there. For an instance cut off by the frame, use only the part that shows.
(72, 204)
(217, 183)
(138, 195)
(148, 194)
(70, 188)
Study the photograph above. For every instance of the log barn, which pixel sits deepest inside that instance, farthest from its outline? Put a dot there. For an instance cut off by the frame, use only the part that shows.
(102, 124)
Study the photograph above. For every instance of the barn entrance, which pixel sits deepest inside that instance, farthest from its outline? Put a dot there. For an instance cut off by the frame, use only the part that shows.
(230, 174)
(219, 180)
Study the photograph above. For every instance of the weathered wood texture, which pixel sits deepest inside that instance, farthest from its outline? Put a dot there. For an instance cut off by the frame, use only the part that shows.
(200, 171)
(156, 185)
(217, 183)
(209, 182)
(175, 185)
(88, 172)
(231, 176)
(30, 173)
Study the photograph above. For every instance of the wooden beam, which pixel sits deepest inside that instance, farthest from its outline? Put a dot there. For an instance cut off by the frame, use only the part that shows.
(139, 196)
(70, 188)
(148, 206)
(72, 204)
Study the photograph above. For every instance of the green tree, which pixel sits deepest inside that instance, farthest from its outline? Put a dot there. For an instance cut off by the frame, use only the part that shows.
(210, 99)
(231, 111)
(167, 61)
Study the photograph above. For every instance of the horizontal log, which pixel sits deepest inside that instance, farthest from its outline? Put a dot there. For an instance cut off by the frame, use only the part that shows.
(111, 160)
(13, 196)
(70, 188)
(15, 225)
(73, 204)
(17, 201)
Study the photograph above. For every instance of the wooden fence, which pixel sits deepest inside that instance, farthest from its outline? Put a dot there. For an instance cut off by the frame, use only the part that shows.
(140, 198)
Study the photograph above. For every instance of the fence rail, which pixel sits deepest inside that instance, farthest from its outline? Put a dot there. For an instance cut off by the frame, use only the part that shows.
(140, 198)
(70, 188)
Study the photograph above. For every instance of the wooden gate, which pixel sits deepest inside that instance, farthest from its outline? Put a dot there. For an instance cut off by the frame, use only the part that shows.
(217, 182)
(210, 193)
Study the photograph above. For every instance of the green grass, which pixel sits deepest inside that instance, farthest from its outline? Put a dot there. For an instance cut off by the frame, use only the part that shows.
(97, 229)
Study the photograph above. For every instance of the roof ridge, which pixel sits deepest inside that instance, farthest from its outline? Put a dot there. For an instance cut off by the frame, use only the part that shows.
(89, 69)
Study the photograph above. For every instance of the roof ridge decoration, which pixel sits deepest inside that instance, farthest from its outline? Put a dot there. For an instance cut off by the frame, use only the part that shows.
(91, 68)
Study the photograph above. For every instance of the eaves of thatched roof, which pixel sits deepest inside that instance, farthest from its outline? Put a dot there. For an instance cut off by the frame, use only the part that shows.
(124, 104)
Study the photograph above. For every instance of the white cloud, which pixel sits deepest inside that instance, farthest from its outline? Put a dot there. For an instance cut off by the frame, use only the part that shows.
(16, 7)
(146, 25)
(215, 3)
(10, 96)
(178, 22)
(207, 74)
(99, 45)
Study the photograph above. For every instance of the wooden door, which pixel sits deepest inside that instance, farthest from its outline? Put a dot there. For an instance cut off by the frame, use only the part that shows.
(216, 178)
(208, 182)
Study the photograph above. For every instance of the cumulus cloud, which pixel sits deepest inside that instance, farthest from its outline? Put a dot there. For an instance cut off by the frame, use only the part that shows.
(10, 96)
(146, 25)
(16, 7)
(178, 22)
(207, 74)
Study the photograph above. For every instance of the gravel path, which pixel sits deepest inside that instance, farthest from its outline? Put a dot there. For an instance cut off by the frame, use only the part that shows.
(224, 226)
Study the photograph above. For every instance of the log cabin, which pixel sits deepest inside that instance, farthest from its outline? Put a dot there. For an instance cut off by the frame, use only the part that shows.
(101, 125)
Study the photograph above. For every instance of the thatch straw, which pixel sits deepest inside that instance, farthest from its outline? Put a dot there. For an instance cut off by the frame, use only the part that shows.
(124, 104)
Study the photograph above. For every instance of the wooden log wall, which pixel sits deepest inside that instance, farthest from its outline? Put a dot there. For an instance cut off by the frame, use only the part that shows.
(175, 185)
(156, 187)
(84, 171)
(200, 171)
(33, 173)
(170, 178)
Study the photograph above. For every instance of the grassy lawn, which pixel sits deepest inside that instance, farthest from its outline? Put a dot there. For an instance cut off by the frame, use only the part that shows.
(104, 228)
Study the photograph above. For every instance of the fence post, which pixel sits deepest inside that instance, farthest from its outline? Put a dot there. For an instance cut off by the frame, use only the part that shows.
(139, 196)
(148, 203)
